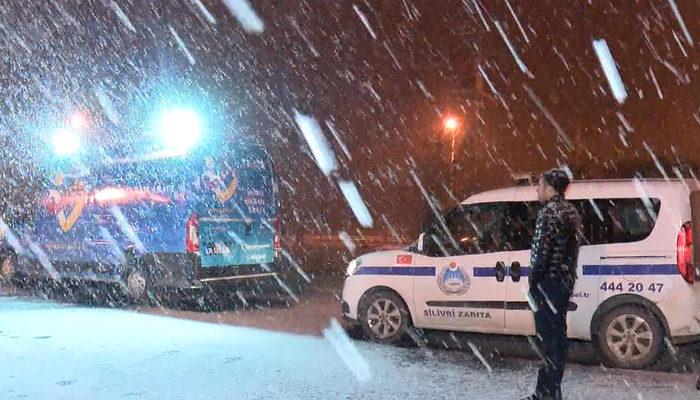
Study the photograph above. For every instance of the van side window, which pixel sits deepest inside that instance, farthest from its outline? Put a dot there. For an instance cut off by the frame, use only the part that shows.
(483, 228)
(510, 226)
(605, 221)
(472, 229)
(609, 221)
(520, 225)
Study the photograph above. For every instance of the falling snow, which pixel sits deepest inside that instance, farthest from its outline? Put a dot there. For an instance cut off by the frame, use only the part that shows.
(365, 22)
(182, 46)
(346, 103)
(481, 14)
(122, 16)
(126, 228)
(320, 148)
(610, 70)
(560, 131)
(657, 163)
(106, 104)
(681, 22)
(205, 11)
(338, 139)
(347, 241)
(358, 206)
(481, 358)
(519, 61)
(517, 21)
(347, 351)
(246, 15)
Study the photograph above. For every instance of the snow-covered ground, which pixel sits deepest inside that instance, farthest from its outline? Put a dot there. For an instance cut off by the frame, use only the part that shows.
(56, 351)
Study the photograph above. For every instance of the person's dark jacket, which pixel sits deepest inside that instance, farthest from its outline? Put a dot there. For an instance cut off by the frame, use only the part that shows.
(556, 243)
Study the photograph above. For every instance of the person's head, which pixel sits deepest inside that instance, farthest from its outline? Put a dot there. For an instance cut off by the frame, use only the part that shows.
(553, 182)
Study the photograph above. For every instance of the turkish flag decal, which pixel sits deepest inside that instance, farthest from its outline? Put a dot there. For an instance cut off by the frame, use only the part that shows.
(404, 259)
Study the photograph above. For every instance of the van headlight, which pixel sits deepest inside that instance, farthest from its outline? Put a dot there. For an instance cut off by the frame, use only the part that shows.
(352, 268)
(180, 129)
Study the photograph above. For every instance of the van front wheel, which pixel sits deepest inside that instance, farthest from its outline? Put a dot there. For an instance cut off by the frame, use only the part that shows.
(384, 316)
(8, 269)
(630, 337)
(137, 286)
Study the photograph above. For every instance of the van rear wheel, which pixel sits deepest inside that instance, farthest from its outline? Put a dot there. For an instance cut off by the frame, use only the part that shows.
(384, 316)
(630, 337)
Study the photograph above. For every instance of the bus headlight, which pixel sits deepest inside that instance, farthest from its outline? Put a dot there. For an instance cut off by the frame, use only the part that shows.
(352, 268)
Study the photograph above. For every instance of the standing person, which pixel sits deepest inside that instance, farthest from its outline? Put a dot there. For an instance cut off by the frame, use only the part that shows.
(552, 276)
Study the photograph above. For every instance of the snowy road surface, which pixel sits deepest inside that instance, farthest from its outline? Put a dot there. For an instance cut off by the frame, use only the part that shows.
(57, 351)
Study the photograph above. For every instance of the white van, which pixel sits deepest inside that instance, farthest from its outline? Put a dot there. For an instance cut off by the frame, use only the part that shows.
(636, 271)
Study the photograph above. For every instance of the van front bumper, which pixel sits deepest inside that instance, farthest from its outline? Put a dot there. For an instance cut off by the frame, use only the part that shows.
(345, 308)
(353, 288)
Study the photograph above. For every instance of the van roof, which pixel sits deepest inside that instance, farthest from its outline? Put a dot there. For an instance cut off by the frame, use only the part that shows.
(507, 194)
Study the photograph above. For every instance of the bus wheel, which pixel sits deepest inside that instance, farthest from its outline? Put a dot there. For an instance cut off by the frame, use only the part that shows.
(137, 286)
(384, 316)
(630, 337)
(8, 269)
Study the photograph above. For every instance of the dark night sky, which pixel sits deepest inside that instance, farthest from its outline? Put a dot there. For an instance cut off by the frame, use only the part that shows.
(385, 95)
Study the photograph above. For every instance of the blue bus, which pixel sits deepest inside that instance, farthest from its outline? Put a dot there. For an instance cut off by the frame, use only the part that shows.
(156, 221)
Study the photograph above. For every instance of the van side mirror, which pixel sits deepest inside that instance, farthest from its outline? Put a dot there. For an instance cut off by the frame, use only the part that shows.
(419, 245)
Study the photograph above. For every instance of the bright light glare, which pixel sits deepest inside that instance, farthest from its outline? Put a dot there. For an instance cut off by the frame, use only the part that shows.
(65, 142)
(78, 121)
(180, 128)
(451, 123)
(110, 194)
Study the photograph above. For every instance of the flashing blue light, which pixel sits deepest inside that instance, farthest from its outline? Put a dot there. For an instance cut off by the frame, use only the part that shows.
(65, 142)
(179, 129)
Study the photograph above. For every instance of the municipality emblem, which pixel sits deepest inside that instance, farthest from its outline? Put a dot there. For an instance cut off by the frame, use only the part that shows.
(454, 279)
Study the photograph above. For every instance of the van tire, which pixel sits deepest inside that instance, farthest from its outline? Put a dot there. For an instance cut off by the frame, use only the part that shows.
(137, 286)
(384, 316)
(8, 269)
(630, 337)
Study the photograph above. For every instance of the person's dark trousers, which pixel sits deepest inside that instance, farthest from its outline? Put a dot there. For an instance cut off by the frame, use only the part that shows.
(552, 299)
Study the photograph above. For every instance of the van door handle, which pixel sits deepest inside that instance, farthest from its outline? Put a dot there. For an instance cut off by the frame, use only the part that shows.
(515, 271)
(500, 271)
